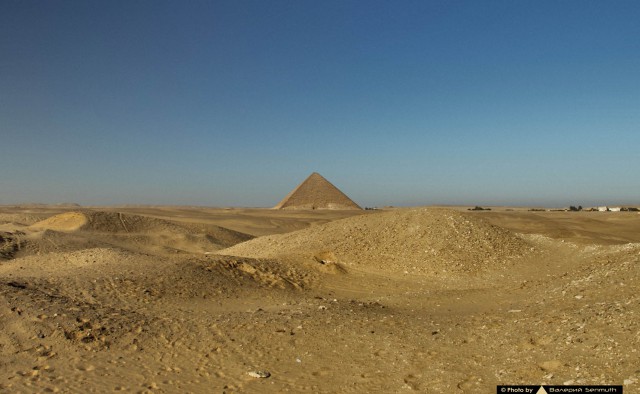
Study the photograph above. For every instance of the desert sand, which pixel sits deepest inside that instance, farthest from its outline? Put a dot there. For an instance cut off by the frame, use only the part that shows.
(433, 300)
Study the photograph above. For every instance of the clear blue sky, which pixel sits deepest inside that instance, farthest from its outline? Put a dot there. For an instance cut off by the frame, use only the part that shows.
(233, 103)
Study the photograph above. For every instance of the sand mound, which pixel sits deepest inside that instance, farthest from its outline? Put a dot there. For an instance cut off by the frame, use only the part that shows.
(426, 241)
(66, 222)
(102, 222)
(73, 230)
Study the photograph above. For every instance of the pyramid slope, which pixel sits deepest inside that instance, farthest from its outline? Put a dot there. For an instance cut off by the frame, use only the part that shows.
(316, 193)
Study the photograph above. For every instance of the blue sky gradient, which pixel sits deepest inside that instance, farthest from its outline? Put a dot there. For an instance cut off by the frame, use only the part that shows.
(233, 103)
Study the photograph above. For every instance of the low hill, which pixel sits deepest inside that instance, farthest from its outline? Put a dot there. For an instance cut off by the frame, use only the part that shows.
(424, 241)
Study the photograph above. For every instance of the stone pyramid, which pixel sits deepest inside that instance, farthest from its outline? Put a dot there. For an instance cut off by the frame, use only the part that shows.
(316, 193)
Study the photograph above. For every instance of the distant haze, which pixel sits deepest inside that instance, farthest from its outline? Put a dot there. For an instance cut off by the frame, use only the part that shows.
(395, 103)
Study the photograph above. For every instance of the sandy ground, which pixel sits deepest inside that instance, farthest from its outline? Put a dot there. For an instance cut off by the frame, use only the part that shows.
(174, 300)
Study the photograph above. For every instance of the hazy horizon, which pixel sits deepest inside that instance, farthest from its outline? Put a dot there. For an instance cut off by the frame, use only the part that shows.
(221, 103)
(610, 204)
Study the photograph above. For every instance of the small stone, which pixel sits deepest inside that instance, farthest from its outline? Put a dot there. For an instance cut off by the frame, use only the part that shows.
(259, 374)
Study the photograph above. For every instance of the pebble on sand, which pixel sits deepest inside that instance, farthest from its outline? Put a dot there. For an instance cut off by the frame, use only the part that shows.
(259, 374)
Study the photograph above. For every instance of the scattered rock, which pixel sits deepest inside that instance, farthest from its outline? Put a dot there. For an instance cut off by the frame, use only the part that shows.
(259, 374)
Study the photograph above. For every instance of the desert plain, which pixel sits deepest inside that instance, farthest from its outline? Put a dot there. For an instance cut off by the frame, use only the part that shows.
(212, 300)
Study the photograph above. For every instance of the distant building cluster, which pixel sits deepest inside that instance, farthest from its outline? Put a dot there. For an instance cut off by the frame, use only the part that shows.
(617, 209)
(606, 209)
(592, 209)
